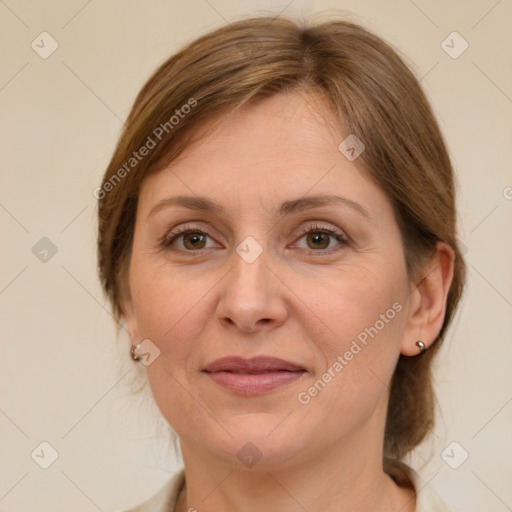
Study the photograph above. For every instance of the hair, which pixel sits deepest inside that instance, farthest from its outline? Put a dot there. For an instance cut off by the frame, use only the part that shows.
(373, 94)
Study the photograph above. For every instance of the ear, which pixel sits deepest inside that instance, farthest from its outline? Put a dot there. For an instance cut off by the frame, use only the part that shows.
(427, 301)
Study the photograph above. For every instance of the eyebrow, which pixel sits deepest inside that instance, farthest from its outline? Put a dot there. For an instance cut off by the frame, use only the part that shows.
(204, 204)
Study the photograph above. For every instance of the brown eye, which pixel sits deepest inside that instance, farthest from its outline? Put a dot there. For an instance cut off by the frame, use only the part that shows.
(194, 240)
(318, 240)
(187, 239)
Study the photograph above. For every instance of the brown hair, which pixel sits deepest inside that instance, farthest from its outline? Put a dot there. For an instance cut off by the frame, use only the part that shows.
(372, 92)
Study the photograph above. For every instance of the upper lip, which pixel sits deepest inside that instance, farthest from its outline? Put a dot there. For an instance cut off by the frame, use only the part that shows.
(259, 364)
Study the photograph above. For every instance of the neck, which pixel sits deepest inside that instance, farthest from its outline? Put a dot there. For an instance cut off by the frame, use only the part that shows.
(338, 478)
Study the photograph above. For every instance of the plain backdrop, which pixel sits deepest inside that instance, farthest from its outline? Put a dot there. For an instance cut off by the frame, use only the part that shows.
(65, 377)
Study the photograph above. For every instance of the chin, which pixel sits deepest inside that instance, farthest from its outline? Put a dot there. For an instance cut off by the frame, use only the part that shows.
(259, 442)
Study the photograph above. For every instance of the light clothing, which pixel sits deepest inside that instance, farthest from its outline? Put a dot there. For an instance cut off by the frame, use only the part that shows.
(165, 499)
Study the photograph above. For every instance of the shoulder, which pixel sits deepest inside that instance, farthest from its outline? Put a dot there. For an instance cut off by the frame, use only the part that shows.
(165, 498)
(427, 500)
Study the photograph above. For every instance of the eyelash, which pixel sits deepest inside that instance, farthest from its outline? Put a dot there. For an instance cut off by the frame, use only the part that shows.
(169, 239)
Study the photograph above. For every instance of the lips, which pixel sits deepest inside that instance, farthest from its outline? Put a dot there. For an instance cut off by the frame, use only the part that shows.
(253, 376)
(252, 366)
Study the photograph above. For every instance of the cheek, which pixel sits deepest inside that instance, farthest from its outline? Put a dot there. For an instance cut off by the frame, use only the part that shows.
(163, 301)
(355, 300)
(363, 317)
(169, 313)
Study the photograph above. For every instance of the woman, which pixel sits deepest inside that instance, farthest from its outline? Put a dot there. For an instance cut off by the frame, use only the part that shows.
(277, 231)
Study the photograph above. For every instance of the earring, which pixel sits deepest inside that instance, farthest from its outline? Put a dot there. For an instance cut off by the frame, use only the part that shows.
(421, 346)
(135, 357)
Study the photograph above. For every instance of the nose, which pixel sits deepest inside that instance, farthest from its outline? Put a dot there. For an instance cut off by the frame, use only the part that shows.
(251, 297)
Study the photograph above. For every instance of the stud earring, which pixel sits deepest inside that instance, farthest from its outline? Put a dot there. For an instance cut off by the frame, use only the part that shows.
(421, 346)
(135, 357)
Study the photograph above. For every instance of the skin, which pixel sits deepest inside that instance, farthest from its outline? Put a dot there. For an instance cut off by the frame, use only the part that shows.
(296, 301)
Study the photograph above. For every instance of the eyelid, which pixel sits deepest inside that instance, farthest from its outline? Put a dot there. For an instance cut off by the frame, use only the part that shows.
(325, 229)
(170, 237)
(342, 238)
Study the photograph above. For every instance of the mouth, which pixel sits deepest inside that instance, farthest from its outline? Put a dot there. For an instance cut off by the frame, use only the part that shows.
(253, 376)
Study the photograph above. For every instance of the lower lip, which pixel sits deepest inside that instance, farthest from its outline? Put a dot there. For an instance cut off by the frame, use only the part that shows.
(254, 384)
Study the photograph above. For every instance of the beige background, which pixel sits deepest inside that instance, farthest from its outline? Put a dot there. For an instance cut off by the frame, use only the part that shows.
(64, 376)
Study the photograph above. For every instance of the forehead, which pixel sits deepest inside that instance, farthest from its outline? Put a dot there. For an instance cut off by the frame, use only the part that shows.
(271, 126)
(264, 153)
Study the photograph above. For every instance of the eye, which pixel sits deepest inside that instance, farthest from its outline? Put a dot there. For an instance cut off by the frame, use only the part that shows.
(187, 239)
(320, 239)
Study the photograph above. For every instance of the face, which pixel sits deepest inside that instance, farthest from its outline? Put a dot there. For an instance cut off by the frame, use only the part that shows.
(282, 254)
